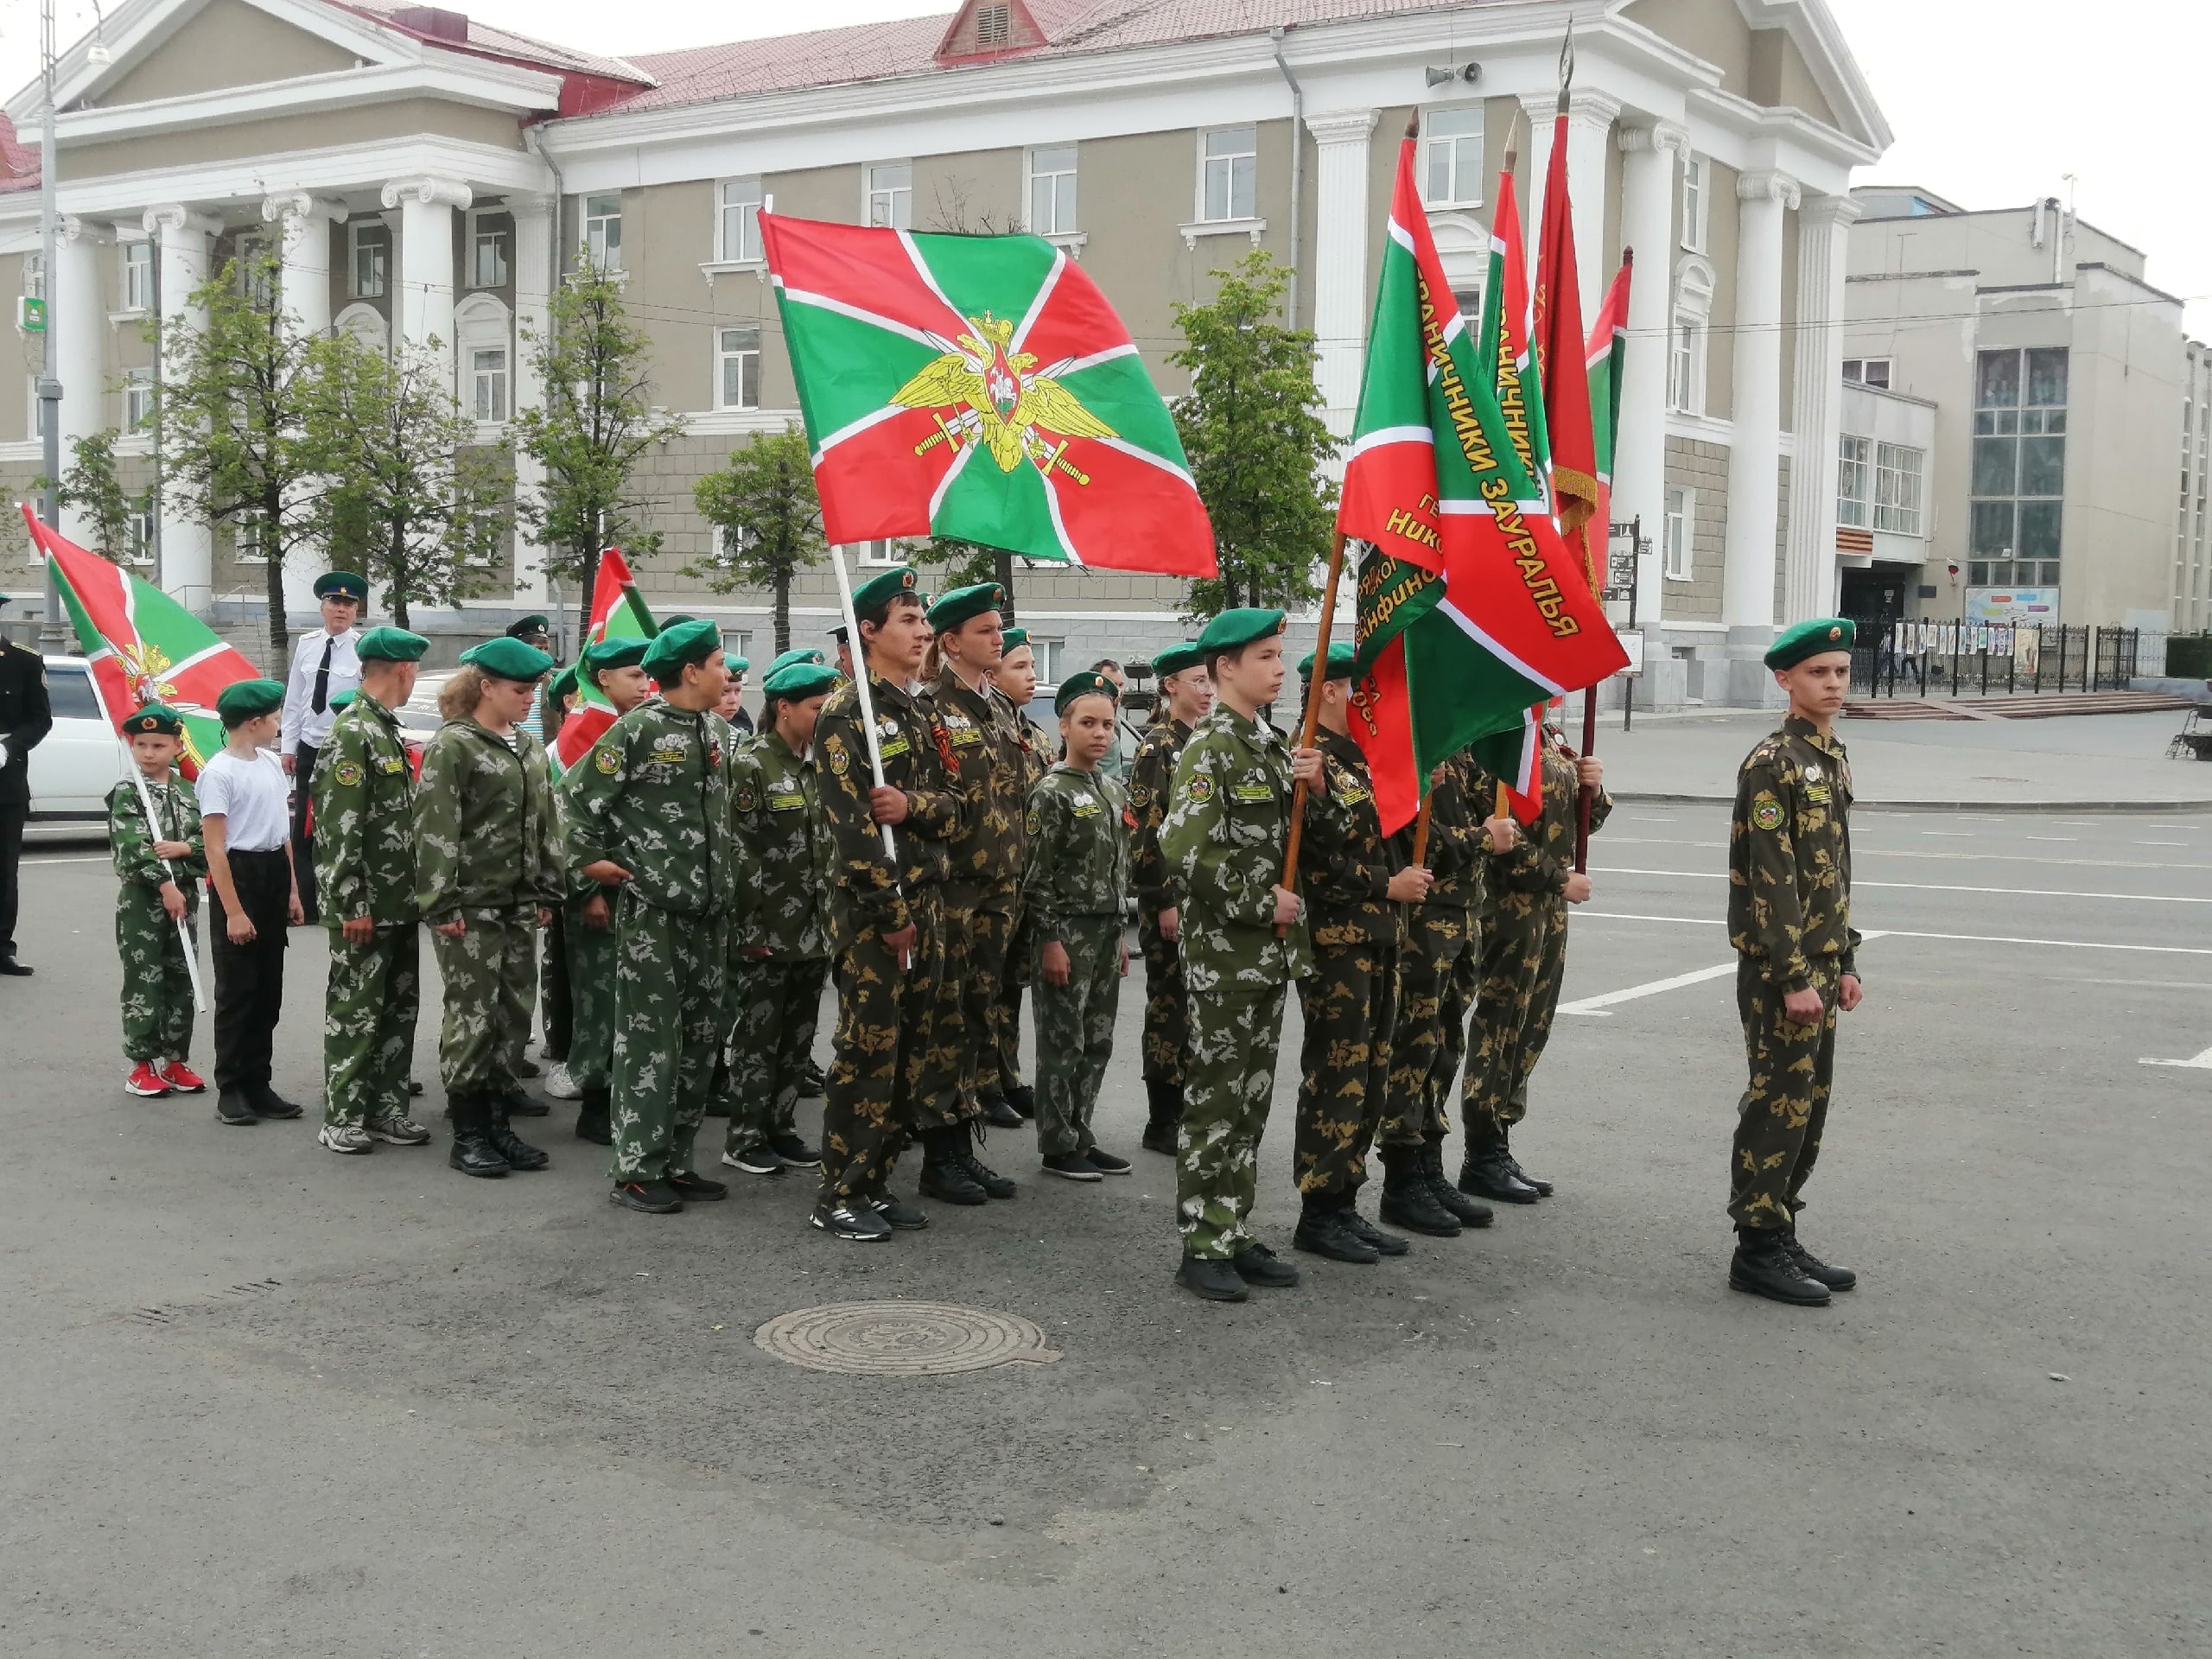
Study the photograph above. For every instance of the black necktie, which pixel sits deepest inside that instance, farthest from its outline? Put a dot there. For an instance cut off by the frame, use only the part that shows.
(320, 701)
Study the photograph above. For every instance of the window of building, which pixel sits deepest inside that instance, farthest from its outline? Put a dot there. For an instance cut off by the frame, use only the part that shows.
(1451, 157)
(1052, 660)
(487, 380)
(484, 349)
(1696, 188)
(1681, 524)
(138, 398)
(247, 543)
(139, 534)
(603, 230)
(487, 258)
(1898, 469)
(1853, 465)
(994, 26)
(2019, 468)
(1868, 371)
(737, 220)
(1229, 179)
(371, 259)
(137, 276)
(1688, 336)
(1051, 190)
(891, 194)
(259, 276)
(883, 552)
(737, 368)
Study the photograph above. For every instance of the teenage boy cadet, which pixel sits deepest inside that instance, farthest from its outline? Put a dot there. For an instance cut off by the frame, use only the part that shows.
(1358, 886)
(160, 862)
(1074, 886)
(1243, 940)
(651, 815)
(1186, 695)
(891, 1062)
(323, 664)
(254, 899)
(1796, 966)
(364, 853)
(983, 885)
(781, 933)
(616, 668)
(1016, 680)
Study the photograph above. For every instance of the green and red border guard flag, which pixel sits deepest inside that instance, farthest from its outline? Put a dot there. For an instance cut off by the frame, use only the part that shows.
(616, 613)
(1607, 357)
(1555, 332)
(142, 645)
(979, 388)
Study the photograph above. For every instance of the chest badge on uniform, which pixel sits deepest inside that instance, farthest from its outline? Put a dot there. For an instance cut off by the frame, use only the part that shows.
(1812, 772)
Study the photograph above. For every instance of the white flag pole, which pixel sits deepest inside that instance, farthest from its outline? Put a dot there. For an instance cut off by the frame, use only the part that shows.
(867, 707)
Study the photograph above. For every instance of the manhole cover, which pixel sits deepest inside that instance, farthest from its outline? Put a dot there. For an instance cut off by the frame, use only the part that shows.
(902, 1340)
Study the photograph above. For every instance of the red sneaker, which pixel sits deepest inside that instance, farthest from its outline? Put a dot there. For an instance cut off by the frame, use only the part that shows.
(144, 1080)
(182, 1078)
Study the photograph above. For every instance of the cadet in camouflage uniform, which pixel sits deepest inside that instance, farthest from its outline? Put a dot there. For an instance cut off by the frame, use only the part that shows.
(1789, 919)
(781, 929)
(1077, 881)
(650, 812)
(1186, 695)
(891, 1065)
(485, 874)
(365, 871)
(1016, 680)
(984, 881)
(1225, 840)
(160, 865)
(1523, 961)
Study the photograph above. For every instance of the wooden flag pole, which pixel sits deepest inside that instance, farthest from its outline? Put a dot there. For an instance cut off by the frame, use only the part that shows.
(1421, 828)
(1312, 713)
(1585, 794)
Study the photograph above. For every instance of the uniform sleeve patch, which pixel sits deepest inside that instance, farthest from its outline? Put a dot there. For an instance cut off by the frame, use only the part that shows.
(609, 762)
(1035, 823)
(840, 762)
(745, 798)
(348, 774)
(1201, 788)
(1766, 812)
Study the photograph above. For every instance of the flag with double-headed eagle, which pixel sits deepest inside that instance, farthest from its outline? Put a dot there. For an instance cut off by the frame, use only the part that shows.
(979, 388)
(617, 612)
(142, 645)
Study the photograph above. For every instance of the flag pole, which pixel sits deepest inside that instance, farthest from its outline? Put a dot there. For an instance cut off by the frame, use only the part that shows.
(1420, 828)
(1312, 711)
(867, 710)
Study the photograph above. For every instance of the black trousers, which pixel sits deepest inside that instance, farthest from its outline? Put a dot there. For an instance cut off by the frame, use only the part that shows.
(303, 843)
(558, 1012)
(249, 977)
(12, 816)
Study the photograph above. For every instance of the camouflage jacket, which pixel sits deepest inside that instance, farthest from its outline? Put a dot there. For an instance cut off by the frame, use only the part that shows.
(1040, 750)
(365, 819)
(1790, 857)
(868, 893)
(1459, 854)
(130, 840)
(1534, 873)
(783, 844)
(1152, 775)
(993, 775)
(653, 796)
(485, 837)
(1079, 825)
(1344, 878)
(1227, 822)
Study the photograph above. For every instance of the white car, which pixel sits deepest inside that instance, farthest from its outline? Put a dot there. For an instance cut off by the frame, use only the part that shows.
(80, 760)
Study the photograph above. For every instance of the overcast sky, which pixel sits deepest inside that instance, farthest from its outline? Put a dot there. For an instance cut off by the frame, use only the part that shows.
(1992, 101)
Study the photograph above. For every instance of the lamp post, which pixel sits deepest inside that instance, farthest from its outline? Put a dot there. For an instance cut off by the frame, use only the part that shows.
(52, 635)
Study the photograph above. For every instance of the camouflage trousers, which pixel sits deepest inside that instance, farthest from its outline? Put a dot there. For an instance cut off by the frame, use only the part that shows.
(976, 943)
(1166, 1011)
(1523, 959)
(1235, 1034)
(1351, 1005)
(1436, 987)
(1006, 1013)
(156, 985)
(555, 1011)
(1786, 1106)
(887, 1057)
(668, 972)
(1075, 1033)
(775, 1006)
(368, 1023)
(590, 967)
(491, 975)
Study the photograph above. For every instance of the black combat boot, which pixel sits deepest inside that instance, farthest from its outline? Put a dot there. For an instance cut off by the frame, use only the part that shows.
(1382, 1243)
(516, 1103)
(944, 1176)
(592, 1117)
(519, 1153)
(1213, 1279)
(1322, 1231)
(997, 1114)
(1472, 1212)
(473, 1152)
(1483, 1173)
(1812, 1267)
(1163, 1122)
(1407, 1200)
(1542, 1189)
(1765, 1267)
(1023, 1099)
(995, 1185)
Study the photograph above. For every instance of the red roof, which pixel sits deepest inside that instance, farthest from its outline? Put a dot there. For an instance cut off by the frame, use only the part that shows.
(18, 161)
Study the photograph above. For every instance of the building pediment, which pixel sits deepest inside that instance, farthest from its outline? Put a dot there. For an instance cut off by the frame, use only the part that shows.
(1773, 54)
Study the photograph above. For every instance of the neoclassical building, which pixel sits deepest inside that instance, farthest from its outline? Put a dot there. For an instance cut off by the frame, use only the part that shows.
(424, 176)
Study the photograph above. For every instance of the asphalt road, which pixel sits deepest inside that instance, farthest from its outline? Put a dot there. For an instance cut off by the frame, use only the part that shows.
(264, 1400)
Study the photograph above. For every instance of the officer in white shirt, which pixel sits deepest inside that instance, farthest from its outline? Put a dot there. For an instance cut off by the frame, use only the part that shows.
(323, 664)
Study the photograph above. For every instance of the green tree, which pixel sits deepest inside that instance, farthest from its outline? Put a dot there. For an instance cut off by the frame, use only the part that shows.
(595, 424)
(89, 485)
(1252, 429)
(233, 417)
(767, 521)
(413, 497)
(961, 565)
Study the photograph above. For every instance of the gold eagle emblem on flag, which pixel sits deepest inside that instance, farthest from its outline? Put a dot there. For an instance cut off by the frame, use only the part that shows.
(998, 399)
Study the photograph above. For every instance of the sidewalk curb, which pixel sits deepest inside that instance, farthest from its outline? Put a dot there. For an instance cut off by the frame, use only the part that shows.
(2143, 807)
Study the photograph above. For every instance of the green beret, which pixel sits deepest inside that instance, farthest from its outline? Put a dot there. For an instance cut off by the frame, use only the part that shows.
(341, 699)
(964, 604)
(342, 584)
(564, 685)
(736, 664)
(796, 682)
(625, 652)
(243, 699)
(528, 624)
(391, 645)
(687, 643)
(1810, 638)
(1233, 629)
(677, 620)
(872, 598)
(1015, 639)
(508, 659)
(157, 719)
(1177, 657)
(1341, 657)
(1090, 682)
(796, 654)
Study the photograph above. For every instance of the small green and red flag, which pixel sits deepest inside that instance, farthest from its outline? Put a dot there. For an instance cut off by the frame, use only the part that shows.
(616, 613)
(979, 388)
(1608, 360)
(1555, 332)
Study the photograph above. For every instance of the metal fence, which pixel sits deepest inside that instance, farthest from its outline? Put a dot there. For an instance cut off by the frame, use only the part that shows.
(1894, 658)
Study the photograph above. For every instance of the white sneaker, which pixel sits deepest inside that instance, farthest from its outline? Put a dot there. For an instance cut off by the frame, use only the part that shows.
(349, 1138)
(559, 1085)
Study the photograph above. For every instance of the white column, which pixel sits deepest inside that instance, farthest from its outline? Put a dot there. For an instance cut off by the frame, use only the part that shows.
(1823, 244)
(1590, 117)
(426, 206)
(182, 237)
(1755, 455)
(80, 328)
(533, 273)
(1340, 232)
(305, 222)
(1648, 179)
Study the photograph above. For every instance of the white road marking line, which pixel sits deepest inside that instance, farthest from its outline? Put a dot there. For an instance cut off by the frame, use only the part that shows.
(1858, 845)
(1933, 886)
(2162, 843)
(1955, 835)
(2067, 838)
(97, 858)
(1596, 1007)
(1914, 934)
(2195, 1062)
